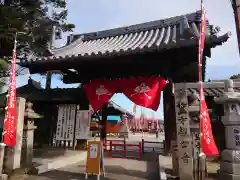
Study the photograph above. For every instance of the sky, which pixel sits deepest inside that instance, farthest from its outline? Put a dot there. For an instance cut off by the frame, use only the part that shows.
(95, 15)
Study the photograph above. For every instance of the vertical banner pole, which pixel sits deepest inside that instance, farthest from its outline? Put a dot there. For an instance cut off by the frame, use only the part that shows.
(9, 134)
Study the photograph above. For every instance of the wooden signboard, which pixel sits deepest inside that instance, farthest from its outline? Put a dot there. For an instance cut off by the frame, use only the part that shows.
(60, 123)
(82, 130)
(184, 138)
(70, 120)
(65, 123)
(94, 158)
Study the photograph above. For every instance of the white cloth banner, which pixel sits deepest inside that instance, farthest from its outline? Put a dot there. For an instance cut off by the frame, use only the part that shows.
(66, 120)
(71, 111)
(59, 130)
(82, 124)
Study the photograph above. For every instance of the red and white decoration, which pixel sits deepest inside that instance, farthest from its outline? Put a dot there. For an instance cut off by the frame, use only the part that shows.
(11, 115)
(99, 93)
(208, 145)
(143, 91)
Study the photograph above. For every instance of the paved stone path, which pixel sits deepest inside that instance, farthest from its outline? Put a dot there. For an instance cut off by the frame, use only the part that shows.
(116, 169)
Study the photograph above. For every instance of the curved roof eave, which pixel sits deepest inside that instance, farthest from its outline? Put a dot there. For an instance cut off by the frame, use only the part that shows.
(175, 32)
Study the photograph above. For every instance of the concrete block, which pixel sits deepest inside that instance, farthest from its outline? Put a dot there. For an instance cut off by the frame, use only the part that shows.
(224, 176)
(3, 177)
(231, 155)
(162, 173)
(230, 168)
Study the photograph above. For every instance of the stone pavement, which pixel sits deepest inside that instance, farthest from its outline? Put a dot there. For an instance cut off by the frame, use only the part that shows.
(165, 163)
(116, 169)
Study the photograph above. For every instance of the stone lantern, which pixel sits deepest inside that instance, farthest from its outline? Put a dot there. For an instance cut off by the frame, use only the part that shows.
(230, 156)
(28, 135)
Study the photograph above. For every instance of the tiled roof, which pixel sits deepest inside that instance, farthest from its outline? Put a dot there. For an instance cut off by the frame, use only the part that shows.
(156, 35)
(214, 89)
(116, 106)
(216, 92)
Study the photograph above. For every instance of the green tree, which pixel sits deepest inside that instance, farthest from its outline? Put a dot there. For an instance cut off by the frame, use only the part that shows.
(235, 76)
(3, 70)
(36, 18)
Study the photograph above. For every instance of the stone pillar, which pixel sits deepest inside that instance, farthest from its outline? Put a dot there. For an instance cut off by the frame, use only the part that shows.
(27, 150)
(28, 135)
(174, 151)
(2, 150)
(13, 154)
(194, 110)
(184, 138)
(230, 157)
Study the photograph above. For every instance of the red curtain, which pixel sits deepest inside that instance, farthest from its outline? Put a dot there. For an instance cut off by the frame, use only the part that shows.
(143, 91)
(100, 92)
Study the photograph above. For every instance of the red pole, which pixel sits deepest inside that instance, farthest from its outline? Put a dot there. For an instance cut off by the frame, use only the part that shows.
(236, 11)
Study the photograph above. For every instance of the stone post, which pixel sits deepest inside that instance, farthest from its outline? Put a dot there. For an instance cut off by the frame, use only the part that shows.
(2, 150)
(230, 157)
(184, 139)
(13, 154)
(174, 151)
(27, 151)
(28, 136)
(194, 110)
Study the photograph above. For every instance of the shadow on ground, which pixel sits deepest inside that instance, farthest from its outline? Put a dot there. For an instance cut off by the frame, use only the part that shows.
(211, 176)
(112, 172)
(63, 175)
(48, 153)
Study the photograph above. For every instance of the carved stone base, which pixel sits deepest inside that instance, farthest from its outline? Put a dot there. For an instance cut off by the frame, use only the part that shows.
(230, 168)
(231, 155)
(224, 176)
(3, 177)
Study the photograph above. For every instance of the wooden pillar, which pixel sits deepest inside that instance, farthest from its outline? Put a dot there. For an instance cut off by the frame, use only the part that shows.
(48, 80)
(47, 114)
(184, 138)
(104, 122)
(169, 116)
(170, 126)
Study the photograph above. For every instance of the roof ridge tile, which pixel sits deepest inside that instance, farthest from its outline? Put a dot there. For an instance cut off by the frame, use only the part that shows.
(191, 17)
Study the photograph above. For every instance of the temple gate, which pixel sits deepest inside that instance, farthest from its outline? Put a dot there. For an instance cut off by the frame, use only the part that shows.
(167, 48)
